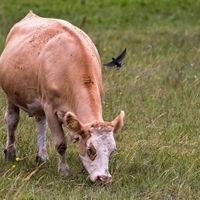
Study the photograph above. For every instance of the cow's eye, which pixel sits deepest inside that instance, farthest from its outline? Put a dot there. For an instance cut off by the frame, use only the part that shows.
(91, 152)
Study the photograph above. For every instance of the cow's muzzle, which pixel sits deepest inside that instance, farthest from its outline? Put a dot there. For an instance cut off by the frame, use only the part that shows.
(104, 178)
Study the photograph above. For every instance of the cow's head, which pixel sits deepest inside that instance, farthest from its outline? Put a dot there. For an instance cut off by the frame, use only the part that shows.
(95, 143)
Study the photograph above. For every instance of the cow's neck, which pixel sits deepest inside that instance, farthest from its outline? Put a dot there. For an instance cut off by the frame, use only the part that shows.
(88, 110)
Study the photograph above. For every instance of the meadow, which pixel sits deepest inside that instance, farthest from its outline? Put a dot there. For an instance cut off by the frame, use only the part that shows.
(158, 149)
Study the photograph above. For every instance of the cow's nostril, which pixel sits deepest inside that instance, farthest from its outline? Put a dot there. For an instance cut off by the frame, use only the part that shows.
(104, 178)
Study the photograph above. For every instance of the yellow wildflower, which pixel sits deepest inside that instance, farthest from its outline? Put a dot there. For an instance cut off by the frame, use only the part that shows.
(17, 159)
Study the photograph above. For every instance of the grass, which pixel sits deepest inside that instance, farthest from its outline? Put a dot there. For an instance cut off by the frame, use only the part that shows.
(158, 152)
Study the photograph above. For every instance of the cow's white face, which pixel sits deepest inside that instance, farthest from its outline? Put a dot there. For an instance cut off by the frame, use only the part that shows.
(95, 143)
(97, 152)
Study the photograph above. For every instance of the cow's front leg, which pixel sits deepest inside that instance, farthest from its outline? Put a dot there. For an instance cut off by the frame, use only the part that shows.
(11, 120)
(60, 141)
(41, 129)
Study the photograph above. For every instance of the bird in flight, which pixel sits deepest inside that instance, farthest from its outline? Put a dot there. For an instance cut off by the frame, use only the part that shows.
(117, 61)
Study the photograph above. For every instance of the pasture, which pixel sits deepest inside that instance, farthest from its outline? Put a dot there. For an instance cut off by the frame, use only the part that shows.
(158, 149)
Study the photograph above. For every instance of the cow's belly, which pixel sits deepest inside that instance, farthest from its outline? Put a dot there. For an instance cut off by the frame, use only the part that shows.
(33, 109)
(27, 102)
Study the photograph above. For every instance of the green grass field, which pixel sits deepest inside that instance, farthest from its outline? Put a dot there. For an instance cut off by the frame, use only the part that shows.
(158, 149)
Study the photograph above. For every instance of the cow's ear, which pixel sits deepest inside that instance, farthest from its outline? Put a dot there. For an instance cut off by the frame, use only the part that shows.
(118, 122)
(75, 126)
(72, 123)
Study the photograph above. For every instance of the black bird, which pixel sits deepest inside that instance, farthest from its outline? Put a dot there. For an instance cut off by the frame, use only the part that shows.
(116, 61)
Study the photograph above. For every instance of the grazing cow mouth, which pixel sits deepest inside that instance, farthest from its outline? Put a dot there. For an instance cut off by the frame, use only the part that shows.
(104, 179)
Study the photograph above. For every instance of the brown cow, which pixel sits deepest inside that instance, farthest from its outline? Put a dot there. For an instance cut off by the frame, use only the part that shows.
(52, 70)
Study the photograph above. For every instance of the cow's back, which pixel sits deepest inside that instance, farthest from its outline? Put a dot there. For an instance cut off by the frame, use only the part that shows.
(43, 58)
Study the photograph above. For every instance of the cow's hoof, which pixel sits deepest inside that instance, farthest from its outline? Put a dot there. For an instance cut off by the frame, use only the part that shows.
(64, 170)
(41, 159)
(10, 154)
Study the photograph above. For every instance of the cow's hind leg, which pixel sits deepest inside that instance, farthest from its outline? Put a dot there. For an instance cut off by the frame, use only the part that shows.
(41, 129)
(11, 120)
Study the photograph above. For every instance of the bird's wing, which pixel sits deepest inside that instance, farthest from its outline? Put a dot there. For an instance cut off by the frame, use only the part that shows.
(120, 57)
(110, 64)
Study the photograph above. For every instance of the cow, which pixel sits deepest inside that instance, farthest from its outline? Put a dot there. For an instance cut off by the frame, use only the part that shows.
(51, 69)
